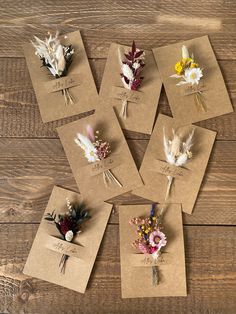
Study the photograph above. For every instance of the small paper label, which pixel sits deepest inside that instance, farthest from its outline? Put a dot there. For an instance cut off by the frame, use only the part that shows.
(62, 83)
(126, 94)
(146, 260)
(103, 165)
(64, 247)
(169, 170)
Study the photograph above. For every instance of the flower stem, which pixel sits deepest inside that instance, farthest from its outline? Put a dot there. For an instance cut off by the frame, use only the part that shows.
(170, 180)
(108, 177)
(67, 96)
(123, 112)
(200, 102)
(62, 263)
(155, 277)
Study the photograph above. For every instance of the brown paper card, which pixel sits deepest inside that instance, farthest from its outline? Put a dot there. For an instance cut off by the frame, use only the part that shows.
(109, 129)
(136, 274)
(47, 88)
(184, 188)
(215, 94)
(46, 252)
(141, 103)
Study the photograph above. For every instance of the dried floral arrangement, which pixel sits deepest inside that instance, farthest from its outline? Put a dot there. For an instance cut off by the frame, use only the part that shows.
(56, 57)
(131, 69)
(151, 239)
(177, 153)
(68, 224)
(189, 71)
(96, 149)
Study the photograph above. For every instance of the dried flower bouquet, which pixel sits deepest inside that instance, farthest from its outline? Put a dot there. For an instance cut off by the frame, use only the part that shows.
(95, 149)
(56, 58)
(131, 69)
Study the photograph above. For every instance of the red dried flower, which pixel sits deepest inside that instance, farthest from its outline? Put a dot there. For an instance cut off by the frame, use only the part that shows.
(66, 224)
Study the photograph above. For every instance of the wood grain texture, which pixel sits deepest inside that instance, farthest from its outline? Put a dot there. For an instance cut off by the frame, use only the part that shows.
(210, 265)
(30, 167)
(20, 117)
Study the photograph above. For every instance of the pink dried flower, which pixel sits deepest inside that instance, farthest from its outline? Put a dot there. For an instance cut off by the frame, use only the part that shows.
(143, 248)
(102, 149)
(90, 133)
(157, 239)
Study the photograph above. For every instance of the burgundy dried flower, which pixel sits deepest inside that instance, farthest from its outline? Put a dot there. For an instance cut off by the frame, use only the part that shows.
(66, 224)
(132, 68)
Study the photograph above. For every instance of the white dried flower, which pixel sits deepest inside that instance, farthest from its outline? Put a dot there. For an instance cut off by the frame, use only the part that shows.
(127, 72)
(136, 65)
(88, 147)
(193, 76)
(69, 236)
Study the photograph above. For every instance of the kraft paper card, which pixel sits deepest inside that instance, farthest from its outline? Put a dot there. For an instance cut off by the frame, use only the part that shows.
(78, 80)
(142, 102)
(184, 99)
(93, 177)
(186, 179)
(136, 268)
(48, 246)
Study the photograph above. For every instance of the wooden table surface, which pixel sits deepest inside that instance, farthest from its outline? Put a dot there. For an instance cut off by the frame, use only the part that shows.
(32, 159)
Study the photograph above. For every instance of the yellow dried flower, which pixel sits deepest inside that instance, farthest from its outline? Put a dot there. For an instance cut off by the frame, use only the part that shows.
(193, 65)
(179, 68)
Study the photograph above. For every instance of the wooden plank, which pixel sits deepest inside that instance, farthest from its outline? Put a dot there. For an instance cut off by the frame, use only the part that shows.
(152, 23)
(20, 117)
(97, 38)
(210, 264)
(30, 167)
